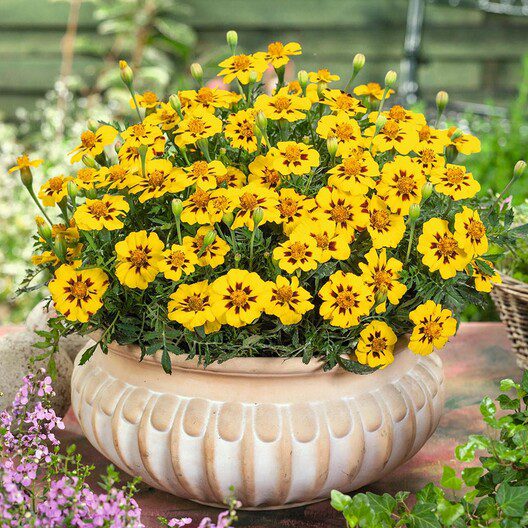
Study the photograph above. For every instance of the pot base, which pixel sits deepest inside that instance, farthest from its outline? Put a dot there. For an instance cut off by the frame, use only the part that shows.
(262, 508)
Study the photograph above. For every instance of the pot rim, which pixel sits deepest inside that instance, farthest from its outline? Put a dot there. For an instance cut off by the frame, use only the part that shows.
(237, 365)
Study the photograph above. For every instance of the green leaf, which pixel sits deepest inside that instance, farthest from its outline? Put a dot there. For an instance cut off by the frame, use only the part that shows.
(524, 381)
(339, 501)
(506, 402)
(422, 516)
(166, 362)
(382, 505)
(87, 354)
(471, 475)
(512, 499)
(466, 452)
(449, 479)
(508, 384)
(448, 512)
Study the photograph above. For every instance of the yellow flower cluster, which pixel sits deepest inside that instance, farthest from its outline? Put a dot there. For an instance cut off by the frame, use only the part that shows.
(312, 175)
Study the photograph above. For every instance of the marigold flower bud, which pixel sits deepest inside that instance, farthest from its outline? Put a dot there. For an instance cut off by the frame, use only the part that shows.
(91, 193)
(258, 215)
(197, 72)
(232, 40)
(253, 76)
(390, 78)
(451, 153)
(228, 219)
(380, 121)
(60, 249)
(127, 75)
(306, 140)
(44, 229)
(222, 151)
(175, 102)
(519, 168)
(414, 211)
(89, 162)
(321, 87)
(26, 176)
(177, 207)
(261, 121)
(331, 145)
(209, 238)
(442, 98)
(73, 190)
(358, 62)
(427, 190)
(303, 78)
(456, 134)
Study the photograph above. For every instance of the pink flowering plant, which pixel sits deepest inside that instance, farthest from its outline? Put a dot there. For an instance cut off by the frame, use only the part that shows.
(42, 487)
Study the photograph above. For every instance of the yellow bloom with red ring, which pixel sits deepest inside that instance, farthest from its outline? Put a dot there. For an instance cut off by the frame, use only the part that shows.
(293, 208)
(372, 90)
(386, 229)
(240, 66)
(247, 199)
(345, 129)
(483, 282)
(190, 305)
(465, 143)
(297, 253)
(101, 213)
(355, 174)
(283, 105)
(263, 172)
(240, 130)
(339, 101)
(433, 326)
(470, 232)
(454, 181)
(294, 158)
(287, 300)
(197, 124)
(177, 261)
(375, 347)
(278, 54)
(159, 178)
(54, 190)
(211, 255)
(393, 135)
(93, 143)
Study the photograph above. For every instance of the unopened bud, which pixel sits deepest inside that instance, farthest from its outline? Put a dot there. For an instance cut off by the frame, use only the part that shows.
(127, 75)
(381, 120)
(258, 133)
(117, 146)
(91, 193)
(228, 219)
(26, 176)
(253, 77)
(209, 238)
(73, 190)
(238, 258)
(177, 208)
(222, 151)
(321, 87)
(414, 211)
(303, 79)
(306, 140)
(358, 62)
(442, 98)
(89, 162)
(175, 102)
(261, 121)
(331, 145)
(519, 168)
(390, 78)
(43, 228)
(456, 134)
(258, 215)
(92, 125)
(60, 249)
(197, 72)
(427, 190)
(232, 40)
(451, 153)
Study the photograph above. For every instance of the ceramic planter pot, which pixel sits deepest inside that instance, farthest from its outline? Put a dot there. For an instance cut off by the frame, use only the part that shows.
(281, 432)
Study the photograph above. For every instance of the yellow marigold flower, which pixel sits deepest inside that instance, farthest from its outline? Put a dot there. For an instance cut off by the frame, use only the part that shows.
(263, 172)
(466, 143)
(93, 143)
(69, 232)
(385, 228)
(393, 135)
(432, 138)
(287, 300)
(278, 54)
(401, 184)
(23, 162)
(283, 105)
(339, 101)
(138, 259)
(239, 67)
(349, 213)
(373, 90)
(197, 124)
(214, 254)
(113, 177)
(300, 252)
(220, 203)
(159, 178)
(233, 178)
(190, 305)
(433, 326)
(237, 298)
(177, 260)
(483, 282)
(470, 232)
(248, 198)
(330, 243)
(208, 98)
(429, 160)
(54, 190)
(381, 276)
(355, 174)
(77, 294)
(165, 116)
(454, 181)
(322, 76)
(129, 156)
(311, 90)
(375, 347)
(240, 130)
(440, 249)
(294, 158)
(201, 173)
(401, 115)
(345, 129)
(142, 134)
(86, 178)
(147, 99)
(102, 213)
(293, 208)
(195, 208)
(346, 298)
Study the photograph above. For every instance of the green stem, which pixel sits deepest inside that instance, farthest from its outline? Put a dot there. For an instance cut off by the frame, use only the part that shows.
(411, 237)
(251, 241)
(39, 205)
(178, 231)
(135, 103)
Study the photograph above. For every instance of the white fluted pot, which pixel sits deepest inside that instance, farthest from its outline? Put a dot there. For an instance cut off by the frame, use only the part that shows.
(281, 432)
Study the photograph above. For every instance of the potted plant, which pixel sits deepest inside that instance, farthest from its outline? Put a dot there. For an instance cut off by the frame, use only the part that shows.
(292, 257)
(511, 295)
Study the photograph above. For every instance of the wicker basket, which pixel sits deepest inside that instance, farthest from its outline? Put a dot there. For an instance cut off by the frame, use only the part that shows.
(511, 300)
